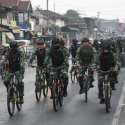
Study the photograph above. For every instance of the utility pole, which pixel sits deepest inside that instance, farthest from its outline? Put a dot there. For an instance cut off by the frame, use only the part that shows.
(54, 7)
(98, 24)
(47, 7)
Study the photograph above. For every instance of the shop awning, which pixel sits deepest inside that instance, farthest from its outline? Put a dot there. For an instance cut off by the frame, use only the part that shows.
(69, 29)
(4, 28)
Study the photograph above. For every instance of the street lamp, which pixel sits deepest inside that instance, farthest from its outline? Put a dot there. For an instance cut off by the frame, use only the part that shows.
(95, 29)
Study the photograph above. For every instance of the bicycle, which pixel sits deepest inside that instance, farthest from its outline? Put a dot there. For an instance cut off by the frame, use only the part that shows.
(86, 79)
(41, 84)
(13, 95)
(57, 88)
(107, 90)
(74, 73)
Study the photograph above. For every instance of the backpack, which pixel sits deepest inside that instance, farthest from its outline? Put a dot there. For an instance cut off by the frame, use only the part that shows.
(40, 57)
(57, 57)
(14, 59)
(86, 54)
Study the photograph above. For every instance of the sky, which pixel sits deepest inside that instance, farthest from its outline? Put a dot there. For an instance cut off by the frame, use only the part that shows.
(108, 9)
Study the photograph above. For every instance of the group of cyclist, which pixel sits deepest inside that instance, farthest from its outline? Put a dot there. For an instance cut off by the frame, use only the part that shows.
(58, 56)
(104, 58)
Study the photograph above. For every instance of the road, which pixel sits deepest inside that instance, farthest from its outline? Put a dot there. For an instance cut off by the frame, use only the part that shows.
(74, 112)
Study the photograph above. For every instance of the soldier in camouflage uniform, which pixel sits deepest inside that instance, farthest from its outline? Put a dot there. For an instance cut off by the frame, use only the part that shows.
(58, 57)
(40, 53)
(14, 58)
(85, 55)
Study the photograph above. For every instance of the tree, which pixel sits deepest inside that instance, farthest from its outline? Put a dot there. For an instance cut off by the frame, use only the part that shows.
(72, 14)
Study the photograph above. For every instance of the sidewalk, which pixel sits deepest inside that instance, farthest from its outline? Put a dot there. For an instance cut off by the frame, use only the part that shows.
(122, 114)
(119, 117)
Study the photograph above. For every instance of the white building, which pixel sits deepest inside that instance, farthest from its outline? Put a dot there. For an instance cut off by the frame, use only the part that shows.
(43, 19)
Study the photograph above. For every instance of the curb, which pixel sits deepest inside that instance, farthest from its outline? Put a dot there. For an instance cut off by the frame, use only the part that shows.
(116, 116)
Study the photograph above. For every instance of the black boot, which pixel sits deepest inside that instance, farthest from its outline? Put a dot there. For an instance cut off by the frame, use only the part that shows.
(81, 91)
(91, 82)
(21, 100)
(102, 101)
(113, 86)
(65, 87)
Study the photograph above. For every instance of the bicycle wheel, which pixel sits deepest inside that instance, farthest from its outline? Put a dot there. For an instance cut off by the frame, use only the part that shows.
(86, 90)
(61, 97)
(11, 101)
(45, 88)
(55, 99)
(18, 104)
(38, 91)
(107, 99)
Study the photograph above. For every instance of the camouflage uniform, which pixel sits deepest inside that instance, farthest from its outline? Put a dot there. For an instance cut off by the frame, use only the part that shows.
(48, 60)
(40, 63)
(18, 71)
(23, 55)
(64, 71)
(85, 58)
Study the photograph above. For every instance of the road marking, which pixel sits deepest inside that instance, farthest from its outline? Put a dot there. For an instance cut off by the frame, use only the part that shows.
(119, 108)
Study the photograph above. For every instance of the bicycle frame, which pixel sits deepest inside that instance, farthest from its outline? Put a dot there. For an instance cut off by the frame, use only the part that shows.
(107, 91)
(84, 72)
(57, 79)
(41, 73)
(13, 81)
(106, 84)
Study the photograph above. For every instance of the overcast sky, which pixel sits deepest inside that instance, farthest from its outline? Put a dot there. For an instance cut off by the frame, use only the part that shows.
(110, 9)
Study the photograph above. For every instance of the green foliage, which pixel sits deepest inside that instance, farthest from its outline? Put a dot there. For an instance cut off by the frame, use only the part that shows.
(72, 14)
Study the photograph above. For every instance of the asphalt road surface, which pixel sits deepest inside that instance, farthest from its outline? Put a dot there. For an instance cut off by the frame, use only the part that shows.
(74, 111)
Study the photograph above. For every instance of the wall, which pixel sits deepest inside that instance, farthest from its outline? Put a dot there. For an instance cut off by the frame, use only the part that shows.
(60, 23)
